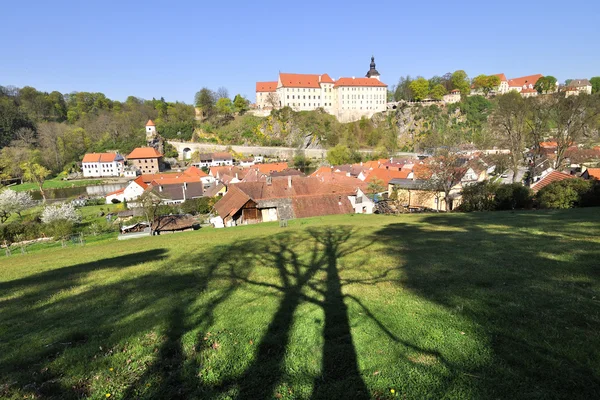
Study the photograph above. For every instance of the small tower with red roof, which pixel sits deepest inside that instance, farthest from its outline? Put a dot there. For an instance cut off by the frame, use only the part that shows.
(150, 130)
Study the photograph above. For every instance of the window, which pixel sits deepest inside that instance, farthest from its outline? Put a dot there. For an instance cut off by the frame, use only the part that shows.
(288, 96)
(304, 97)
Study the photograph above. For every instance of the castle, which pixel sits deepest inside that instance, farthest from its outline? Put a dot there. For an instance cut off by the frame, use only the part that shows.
(348, 99)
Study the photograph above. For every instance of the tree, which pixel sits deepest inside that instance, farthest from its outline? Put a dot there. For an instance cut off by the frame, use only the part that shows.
(420, 88)
(240, 104)
(486, 83)
(567, 193)
(272, 101)
(62, 211)
(339, 155)
(438, 92)
(402, 90)
(442, 173)
(460, 81)
(222, 93)
(376, 185)
(509, 119)
(595, 81)
(150, 202)
(12, 202)
(34, 172)
(224, 106)
(545, 84)
(205, 100)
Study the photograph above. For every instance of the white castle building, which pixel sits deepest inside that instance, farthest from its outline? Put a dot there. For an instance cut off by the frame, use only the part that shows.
(349, 99)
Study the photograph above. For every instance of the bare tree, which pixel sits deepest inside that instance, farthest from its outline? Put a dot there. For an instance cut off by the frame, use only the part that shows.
(441, 174)
(272, 100)
(222, 93)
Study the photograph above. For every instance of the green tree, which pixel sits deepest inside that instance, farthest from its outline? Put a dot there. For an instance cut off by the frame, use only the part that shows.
(420, 88)
(339, 155)
(460, 81)
(567, 193)
(376, 186)
(486, 83)
(437, 92)
(205, 100)
(224, 106)
(595, 81)
(545, 84)
(240, 104)
(402, 90)
(34, 172)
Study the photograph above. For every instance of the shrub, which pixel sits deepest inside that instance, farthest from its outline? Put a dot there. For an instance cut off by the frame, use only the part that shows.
(513, 196)
(202, 205)
(64, 211)
(567, 193)
(115, 201)
(479, 197)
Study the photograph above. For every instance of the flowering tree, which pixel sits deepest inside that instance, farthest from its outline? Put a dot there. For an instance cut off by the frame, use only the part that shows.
(58, 212)
(14, 202)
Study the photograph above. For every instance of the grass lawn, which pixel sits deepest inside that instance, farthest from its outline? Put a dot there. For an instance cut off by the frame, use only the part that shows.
(490, 305)
(56, 184)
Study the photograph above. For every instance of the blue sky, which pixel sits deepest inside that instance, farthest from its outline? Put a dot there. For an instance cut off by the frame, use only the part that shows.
(174, 48)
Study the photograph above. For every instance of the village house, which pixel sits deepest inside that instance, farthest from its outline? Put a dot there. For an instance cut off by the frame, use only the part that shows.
(284, 198)
(213, 160)
(452, 97)
(577, 86)
(348, 99)
(146, 159)
(175, 192)
(131, 192)
(553, 176)
(591, 173)
(98, 165)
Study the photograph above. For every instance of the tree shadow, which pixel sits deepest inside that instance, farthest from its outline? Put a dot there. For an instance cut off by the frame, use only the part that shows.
(528, 289)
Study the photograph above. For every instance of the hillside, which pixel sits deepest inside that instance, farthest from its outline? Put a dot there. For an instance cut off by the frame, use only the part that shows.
(481, 305)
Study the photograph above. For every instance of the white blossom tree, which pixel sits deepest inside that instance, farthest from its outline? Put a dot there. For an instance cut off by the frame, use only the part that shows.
(12, 202)
(60, 212)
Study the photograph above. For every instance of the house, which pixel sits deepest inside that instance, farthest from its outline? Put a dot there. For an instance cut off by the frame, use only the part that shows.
(213, 160)
(131, 192)
(577, 86)
(215, 189)
(192, 174)
(146, 159)
(384, 175)
(524, 82)
(361, 203)
(547, 179)
(176, 192)
(591, 173)
(283, 198)
(174, 223)
(452, 97)
(102, 165)
(416, 194)
(527, 92)
(218, 172)
(503, 87)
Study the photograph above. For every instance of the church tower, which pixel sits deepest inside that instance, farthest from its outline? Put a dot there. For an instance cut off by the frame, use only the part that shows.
(372, 71)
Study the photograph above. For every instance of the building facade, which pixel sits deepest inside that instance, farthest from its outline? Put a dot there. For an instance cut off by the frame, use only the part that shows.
(102, 165)
(145, 159)
(349, 99)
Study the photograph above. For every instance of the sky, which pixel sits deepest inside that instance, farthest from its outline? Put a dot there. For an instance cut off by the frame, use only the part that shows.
(172, 49)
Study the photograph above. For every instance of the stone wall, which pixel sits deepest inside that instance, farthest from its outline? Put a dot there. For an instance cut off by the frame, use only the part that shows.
(284, 207)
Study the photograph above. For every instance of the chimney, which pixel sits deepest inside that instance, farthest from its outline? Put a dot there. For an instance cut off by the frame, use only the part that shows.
(319, 78)
(290, 181)
(269, 180)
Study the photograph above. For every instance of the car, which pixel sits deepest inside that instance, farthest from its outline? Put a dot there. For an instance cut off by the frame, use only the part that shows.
(504, 176)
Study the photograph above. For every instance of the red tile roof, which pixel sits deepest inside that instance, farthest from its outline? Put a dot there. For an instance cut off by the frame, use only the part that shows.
(386, 175)
(266, 86)
(528, 90)
(303, 80)
(553, 176)
(232, 201)
(195, 171)
(594, 173)
(270, 167)
(228, 170)
(99, 157)
(150, 123)
(140, 182)
(501, 76)
(359, 82)
(144, 152)
(115, 192)
(316, 206)
(524, 80)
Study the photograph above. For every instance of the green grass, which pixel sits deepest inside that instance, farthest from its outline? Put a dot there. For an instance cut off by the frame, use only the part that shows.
(56, 184)
(496, 305)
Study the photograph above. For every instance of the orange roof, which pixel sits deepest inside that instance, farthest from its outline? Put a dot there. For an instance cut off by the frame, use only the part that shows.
(266, 86)
(115, 192)
(386, 175)
(501, 76)
(140, 182)
(548, 144)
(524, 80)
(303, 80)
(144, 152)
(594, 173)
(553, 176)
(359, 82)
(100, 157)
(528, 90)
(270, 167)
(150, 123)
(195, 171)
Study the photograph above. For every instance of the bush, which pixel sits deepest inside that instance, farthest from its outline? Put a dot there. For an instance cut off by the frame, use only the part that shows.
(479, 197)
(115, 201)
(567, 193)
(513, 196)
(18, 231)
(60, 229)
(202, 205)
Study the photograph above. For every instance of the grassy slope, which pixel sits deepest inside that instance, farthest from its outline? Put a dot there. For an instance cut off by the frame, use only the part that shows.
(56, 184)
(496, 305)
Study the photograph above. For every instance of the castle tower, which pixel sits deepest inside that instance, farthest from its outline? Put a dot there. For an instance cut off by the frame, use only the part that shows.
(150, 130)
(372, 71)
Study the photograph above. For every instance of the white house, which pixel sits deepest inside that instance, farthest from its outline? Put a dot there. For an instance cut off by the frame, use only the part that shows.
(577, 86)
(361, 203)
(213, 160)
(102, 165)
(452, 97)
(131, 192)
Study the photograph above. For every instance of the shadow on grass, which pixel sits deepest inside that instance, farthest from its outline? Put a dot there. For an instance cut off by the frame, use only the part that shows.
(529, 288)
